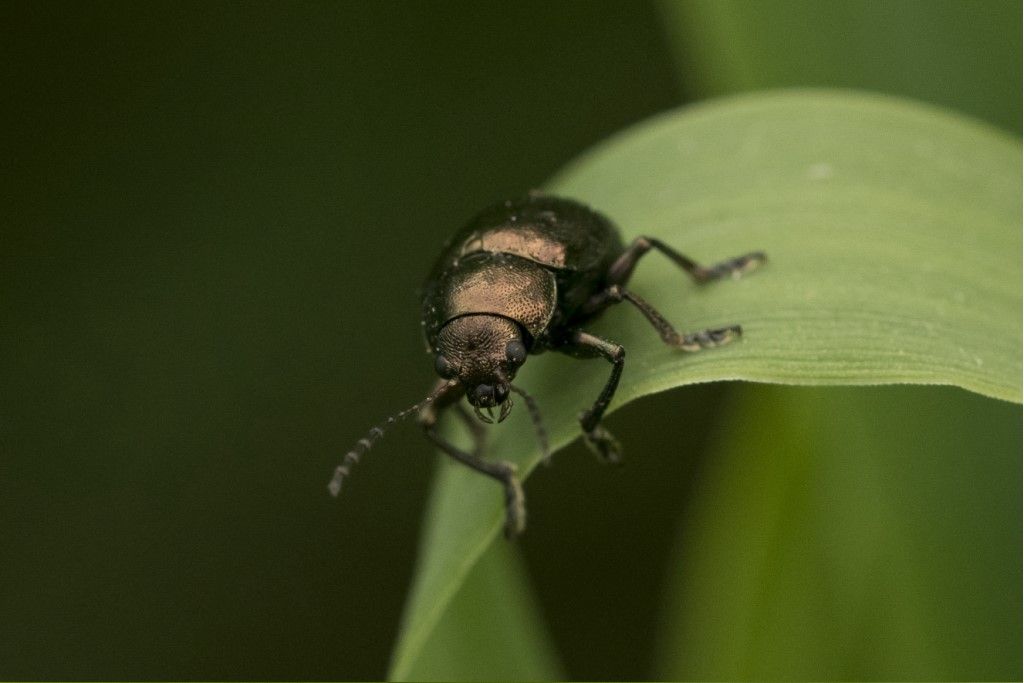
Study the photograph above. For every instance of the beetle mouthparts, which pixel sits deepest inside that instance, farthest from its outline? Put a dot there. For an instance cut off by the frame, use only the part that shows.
(506, 408)
(484, 418)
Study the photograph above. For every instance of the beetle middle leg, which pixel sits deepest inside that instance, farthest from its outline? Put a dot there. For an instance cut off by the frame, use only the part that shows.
(598, 439)
(504, 472)
(622, 268)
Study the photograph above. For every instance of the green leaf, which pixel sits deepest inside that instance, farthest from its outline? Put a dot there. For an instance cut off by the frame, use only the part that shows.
(492, 629)
(893, 233)
(878, 537)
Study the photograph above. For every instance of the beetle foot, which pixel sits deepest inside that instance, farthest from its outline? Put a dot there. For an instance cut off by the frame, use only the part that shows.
(515, 506)
(602, 444)
(736, 268)
(708, 339)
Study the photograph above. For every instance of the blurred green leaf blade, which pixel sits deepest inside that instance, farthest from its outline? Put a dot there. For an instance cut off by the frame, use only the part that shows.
(492, 629)
(877, 538)
(893, 233)
(948, 52)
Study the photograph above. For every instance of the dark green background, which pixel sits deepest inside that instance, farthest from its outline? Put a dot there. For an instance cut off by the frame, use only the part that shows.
(215, 218)
(215, 221)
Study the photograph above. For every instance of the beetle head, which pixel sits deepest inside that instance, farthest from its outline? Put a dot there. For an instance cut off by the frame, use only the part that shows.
(483, 352)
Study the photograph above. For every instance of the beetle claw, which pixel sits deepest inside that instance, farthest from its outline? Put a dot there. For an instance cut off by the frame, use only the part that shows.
(483, 418)
(602, 444)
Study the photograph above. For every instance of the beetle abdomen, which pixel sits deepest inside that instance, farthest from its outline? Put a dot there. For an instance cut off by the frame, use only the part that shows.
(495, 284)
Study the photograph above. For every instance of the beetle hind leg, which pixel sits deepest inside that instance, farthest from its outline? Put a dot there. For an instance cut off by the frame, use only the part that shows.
(691, 341)
(622, 268)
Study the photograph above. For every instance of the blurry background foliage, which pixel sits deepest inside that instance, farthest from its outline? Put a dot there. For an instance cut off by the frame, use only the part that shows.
(215, 220)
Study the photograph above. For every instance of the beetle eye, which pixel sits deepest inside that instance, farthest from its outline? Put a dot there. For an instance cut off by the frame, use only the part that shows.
(516, 352)
(443, 367)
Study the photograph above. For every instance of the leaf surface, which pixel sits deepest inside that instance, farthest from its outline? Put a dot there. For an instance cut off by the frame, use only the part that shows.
(894, 238)
(877, 538)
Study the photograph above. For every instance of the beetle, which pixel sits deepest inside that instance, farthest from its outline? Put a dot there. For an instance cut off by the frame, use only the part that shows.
(523, 277)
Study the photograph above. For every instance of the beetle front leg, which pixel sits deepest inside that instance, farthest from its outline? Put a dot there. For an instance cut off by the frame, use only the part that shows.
(598, 439)
(476, 430)
(621, 270)
(504, 472)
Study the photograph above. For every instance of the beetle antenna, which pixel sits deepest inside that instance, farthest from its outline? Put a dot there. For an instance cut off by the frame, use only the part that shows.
(538, 423)
(366, 443)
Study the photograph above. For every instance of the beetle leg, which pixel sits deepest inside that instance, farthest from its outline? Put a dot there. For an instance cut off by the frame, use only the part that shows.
(691, 341)
(476, 430)
(504, 472)
(621, 270)
(598, 439)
